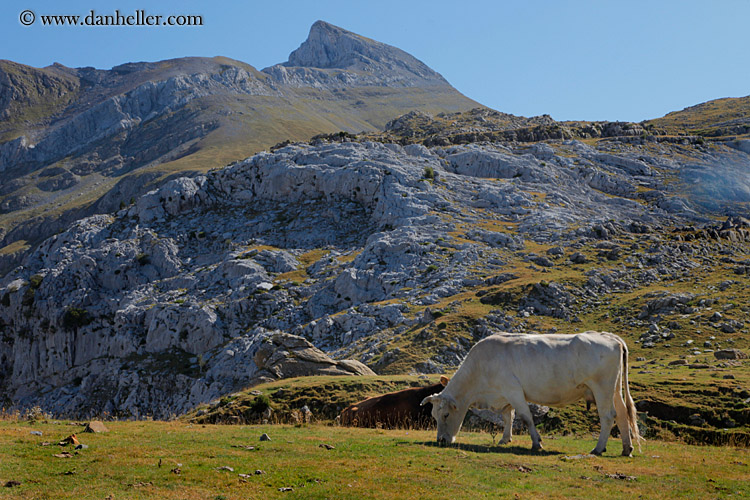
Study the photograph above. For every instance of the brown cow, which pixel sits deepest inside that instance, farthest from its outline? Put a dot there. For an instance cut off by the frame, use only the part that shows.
(395, 409)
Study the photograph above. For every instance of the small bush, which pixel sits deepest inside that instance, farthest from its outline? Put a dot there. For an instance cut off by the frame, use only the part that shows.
(432, 268)
(429, 173)
(35, 281)
(76, 317)
(260, 404)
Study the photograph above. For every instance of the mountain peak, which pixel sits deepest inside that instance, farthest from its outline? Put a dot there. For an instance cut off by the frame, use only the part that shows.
(330, 47)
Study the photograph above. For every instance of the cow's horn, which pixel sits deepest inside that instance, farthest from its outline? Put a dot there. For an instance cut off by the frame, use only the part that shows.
(428, 399)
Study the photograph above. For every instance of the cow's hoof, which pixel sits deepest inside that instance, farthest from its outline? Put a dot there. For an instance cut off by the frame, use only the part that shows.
(627, 452)
(537, 448)
(597, 452)
(505, 441)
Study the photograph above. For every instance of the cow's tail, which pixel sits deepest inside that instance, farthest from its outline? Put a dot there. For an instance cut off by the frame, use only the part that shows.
(635, 435)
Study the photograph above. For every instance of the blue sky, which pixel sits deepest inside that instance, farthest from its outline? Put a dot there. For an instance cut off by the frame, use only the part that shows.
(574, 60)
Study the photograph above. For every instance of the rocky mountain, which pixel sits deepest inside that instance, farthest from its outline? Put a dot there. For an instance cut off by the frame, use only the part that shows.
(80, 141)
(395, 257)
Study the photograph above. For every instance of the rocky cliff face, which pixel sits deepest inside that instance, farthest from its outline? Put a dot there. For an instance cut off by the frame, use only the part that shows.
(73, 141)
(365, 61)
(397, 257)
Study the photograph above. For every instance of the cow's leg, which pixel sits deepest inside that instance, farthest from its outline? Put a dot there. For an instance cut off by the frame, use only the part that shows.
(508, 415)
(519, 403)
(622, 424)
(604, 404)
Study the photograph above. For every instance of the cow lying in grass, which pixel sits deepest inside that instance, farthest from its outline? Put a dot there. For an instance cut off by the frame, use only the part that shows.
(395, 409)
(504, 372)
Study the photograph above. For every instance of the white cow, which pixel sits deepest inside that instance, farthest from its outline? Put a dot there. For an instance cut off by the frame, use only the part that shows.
(505, 372)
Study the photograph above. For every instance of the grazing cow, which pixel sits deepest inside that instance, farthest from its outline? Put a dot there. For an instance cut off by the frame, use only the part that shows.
(395, 409)
(504, 372)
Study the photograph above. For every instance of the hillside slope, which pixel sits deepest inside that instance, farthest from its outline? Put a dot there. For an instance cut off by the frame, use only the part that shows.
(720, 117)
(398, 257)
(74, 142)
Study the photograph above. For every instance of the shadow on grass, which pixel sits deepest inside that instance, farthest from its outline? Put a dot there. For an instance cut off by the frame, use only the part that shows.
(476, 448)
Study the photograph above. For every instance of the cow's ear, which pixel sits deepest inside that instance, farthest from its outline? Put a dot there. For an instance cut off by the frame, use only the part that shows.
(444, 380)
(429, 399)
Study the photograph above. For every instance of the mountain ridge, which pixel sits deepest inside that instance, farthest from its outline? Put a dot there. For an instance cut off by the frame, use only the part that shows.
(84, 151)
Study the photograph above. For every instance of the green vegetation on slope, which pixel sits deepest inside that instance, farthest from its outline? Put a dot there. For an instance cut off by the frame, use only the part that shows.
(720, 117)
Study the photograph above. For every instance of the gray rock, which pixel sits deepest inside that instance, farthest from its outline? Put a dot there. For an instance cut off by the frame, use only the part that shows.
(578, 258)
(283, 355)
(729, 354)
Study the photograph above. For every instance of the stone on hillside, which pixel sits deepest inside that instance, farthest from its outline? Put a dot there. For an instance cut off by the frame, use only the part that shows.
(696, 420)
(548, 299)
(96, 426)
(665, 304)
(730, 354)
(277, 261)
(284, 355)
(578, 258)
(265, 437)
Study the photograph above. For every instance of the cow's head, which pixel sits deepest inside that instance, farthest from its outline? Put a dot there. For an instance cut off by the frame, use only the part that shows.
(449, 418)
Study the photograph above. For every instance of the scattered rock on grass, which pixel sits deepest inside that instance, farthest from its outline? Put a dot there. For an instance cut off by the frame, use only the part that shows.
(620, 476)
(729, 354)
(265, 437)
(72, 439)
(12, 483)
(243, 446)
(96, 426)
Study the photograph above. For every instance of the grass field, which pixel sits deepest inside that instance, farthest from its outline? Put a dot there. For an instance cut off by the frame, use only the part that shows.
(363, 463)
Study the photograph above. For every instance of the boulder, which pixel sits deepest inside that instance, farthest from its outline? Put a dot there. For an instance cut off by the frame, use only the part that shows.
(284, 355)
(95, 426)
(730, 354)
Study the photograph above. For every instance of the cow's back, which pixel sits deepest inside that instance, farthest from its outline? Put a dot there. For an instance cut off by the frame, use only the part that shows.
(551, 369)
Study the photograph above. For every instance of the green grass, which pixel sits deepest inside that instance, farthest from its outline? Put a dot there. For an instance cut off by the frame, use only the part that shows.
(364, 463)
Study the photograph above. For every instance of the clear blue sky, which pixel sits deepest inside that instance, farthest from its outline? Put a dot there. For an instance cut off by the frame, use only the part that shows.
(589, 60)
